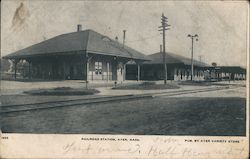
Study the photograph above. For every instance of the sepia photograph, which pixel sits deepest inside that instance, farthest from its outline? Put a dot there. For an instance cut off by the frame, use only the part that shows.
(139, 69)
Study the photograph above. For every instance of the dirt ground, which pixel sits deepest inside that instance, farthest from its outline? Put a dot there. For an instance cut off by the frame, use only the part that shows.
(158, 116)
(221, 112)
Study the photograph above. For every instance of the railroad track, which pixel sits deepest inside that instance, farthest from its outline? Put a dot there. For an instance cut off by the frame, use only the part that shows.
(96, 100)
(50, 105)
(174, 93)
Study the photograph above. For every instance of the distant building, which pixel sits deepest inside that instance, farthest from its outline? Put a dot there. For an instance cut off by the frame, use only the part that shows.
(219, 73)
(178, 68)
(85, 55)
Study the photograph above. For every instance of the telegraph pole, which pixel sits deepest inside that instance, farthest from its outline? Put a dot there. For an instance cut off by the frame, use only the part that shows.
(164, 26)
(192, 53)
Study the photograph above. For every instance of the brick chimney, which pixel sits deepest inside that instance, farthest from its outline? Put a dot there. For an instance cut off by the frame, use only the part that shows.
(79, 27)
(124, 36)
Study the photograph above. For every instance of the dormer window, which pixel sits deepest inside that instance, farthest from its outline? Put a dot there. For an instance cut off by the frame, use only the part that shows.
(105, 38)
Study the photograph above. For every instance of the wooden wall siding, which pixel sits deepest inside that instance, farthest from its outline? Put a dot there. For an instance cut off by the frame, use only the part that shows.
(182, 74)
(155, 72)
(75, 67)
(57, 68)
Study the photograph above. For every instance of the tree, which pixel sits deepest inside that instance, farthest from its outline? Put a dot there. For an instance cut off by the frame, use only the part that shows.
(214, 64)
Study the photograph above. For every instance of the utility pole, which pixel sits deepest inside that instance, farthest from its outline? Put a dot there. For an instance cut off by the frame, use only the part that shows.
(164, 26)
(192, 53)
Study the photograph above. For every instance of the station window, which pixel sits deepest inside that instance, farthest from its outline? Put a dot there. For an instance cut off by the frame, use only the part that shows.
(98, 68)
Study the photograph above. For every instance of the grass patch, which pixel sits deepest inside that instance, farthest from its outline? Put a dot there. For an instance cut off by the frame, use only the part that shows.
(147, 86)
(62, 91)
(210, 83)
(195, 83)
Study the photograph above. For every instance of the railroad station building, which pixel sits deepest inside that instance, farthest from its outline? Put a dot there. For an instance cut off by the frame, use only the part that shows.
(178, 68)
(83, 55)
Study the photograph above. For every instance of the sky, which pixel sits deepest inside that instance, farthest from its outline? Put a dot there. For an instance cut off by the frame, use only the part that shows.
(220, 25)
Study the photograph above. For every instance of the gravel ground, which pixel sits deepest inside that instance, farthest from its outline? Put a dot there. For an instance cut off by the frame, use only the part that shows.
(207, 113)
(157, 116)
(232, 92)
(7, 100)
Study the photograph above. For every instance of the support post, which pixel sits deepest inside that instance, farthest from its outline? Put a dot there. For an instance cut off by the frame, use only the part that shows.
(87, 73)
(138, 72)
(29, 70)
(15, 68)
(64, 68)
(114, 69)
(175, 74)
(107, 71)
(124, 72)
(87, 70)
(210, 75)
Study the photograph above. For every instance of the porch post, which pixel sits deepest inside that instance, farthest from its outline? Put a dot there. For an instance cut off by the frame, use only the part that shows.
(138, 72)
(210, 75)
(87, 70)
(175, 74)
(15, 64)
(124, 72)
(64, 71)
(107, 71)
(229, 77)
(29, 70)
(114, 69)
(15, 68)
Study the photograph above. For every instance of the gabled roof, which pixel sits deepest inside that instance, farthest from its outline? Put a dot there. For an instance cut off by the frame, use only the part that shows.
(87, 41)
(157, 58)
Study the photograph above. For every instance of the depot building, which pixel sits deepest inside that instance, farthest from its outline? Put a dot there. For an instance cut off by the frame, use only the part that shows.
(178, 68)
